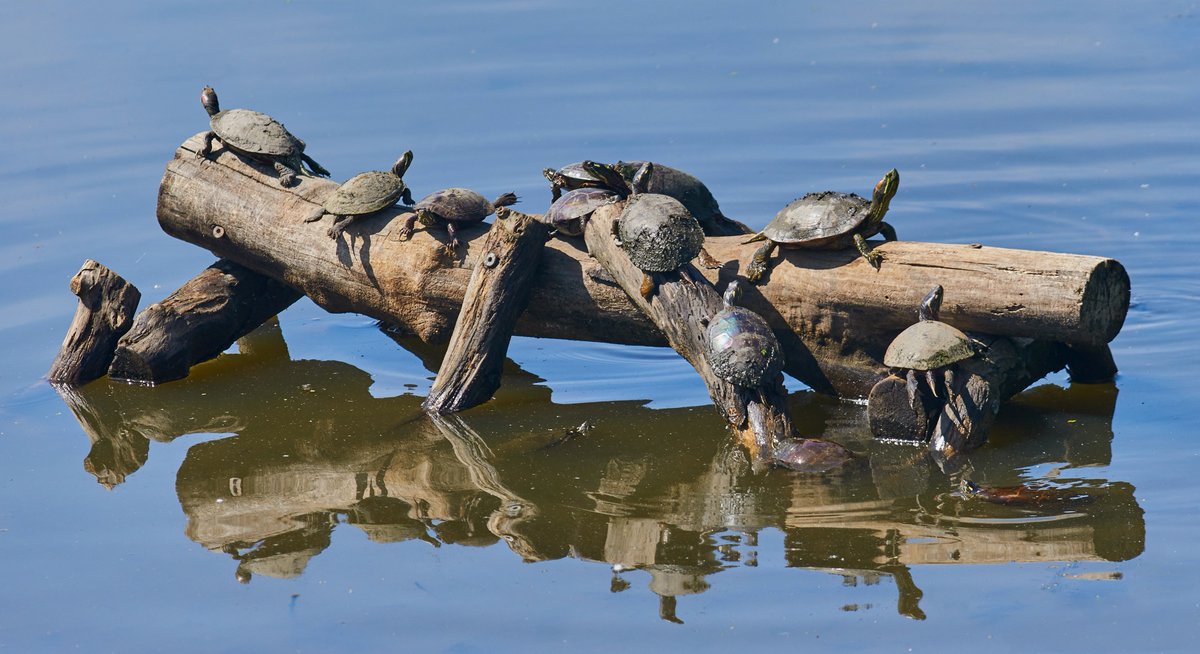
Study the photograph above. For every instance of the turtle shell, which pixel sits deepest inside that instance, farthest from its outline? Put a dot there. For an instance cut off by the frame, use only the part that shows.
(567, 213)
(927, 345)
(578, 176)
(458, 205)
(742, 349)
(680, 185)
(365, 193)
(658, 233)
(254, 132)
(818, 217)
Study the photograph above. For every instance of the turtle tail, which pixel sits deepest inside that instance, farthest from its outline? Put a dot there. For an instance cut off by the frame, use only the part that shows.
(757, 237)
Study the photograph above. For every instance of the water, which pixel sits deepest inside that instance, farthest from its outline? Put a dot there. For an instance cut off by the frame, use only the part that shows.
(304, 468)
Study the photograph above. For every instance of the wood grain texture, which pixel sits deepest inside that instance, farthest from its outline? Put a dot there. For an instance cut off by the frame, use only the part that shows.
(107, 304)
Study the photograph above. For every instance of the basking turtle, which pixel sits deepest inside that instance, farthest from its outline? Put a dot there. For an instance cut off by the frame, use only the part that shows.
(691, 192)
(741, 347)
(258, 136)
(366, 193)
(829, 221)
(569, 213)
(656, 231)
(929, 346)
(571, 177)
(453, 206)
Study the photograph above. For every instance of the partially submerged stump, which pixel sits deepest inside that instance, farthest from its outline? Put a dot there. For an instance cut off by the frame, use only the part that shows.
(107, 304)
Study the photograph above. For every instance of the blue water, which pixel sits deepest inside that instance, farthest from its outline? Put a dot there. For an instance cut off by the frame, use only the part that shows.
(1067, 126)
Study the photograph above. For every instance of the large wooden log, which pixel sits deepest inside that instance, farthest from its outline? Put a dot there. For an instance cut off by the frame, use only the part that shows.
(834, 313)
(107, 304)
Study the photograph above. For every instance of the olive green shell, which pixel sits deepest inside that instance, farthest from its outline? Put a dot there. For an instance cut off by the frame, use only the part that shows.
(742, 349)
(658, 233)
(255, 132)
(365, 193)
(819, 219)
(457, 205)
(927, 345)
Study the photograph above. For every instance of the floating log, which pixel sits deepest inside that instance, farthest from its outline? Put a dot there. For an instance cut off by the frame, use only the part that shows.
(107, 304)
(833, 312)
(495, 297)
(200, 320)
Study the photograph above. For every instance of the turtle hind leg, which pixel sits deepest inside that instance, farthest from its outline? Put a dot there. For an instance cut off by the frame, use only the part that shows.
(316, 215)
(315, 167)
(913, 386)
(208, 139)
(287, 176)
(888, 232)
(760, 263)
(340, 223)
(708, 261)
(452, 246)
(874, 258)
(649, 286)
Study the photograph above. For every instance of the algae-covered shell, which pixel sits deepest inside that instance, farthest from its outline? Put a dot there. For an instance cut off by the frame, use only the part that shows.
(658, 233)
(927, 345)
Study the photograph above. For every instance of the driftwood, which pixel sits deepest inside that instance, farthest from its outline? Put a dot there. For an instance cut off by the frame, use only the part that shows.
(834, 314)
(496, 296)
(107, 304)
(197, 322)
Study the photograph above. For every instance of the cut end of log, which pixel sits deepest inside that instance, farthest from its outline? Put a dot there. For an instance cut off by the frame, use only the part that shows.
(1105, 301)
(105, 313)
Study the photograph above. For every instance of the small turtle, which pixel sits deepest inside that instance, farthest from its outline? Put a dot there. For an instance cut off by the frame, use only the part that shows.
(258, 136)
(366, 193)
(656, 231)
(571, 177)
(740, 345)
(453, 206)
(929, 346)
(828, 221)
(691, 192)
(570, 212)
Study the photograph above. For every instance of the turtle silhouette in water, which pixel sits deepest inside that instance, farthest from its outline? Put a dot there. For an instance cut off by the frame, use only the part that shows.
(364, 194)
(257, 136)
(828, 221)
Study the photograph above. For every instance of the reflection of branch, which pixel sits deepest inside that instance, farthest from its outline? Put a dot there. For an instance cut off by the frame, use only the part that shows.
(475, 454)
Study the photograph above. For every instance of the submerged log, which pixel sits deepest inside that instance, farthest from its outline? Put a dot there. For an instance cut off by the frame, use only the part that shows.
(496, 296)
(107, 304)
(200, 320)
(834, 313)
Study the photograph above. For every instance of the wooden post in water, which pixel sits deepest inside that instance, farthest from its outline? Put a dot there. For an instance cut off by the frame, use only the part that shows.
(105, 312)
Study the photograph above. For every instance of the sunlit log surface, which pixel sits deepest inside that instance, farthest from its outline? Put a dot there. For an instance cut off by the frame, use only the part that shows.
(835, 314)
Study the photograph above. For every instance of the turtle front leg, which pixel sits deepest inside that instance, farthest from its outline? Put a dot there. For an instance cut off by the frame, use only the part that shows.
(316, 215)
(889, 232)
(314, 166)
(760, 262)
(406, 196)
(208, 139)
(287, 176)
(649, 286)
(340, 223)
(874, 258)
(406, 228)
(913, 386)
(708, 261)
(453, 246)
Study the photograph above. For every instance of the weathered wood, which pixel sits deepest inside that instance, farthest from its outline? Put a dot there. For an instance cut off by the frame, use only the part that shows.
(495, 297)
(107, 304)
(833, 312)
(197, 322)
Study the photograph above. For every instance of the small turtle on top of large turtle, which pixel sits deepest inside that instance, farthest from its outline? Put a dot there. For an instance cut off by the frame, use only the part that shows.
(364, 194)
(258, 136)
(931, 347)
(829, 221)
(571, 177)
(451, 207)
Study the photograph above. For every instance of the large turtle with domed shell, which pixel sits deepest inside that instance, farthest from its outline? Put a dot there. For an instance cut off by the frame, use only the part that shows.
(828, 220)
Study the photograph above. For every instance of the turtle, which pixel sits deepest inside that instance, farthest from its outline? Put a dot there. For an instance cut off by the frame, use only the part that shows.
(569, 213)
(258, 136)
(571, 177)
(366, 193)
(453, 206)
(931, 347)
(828, 220)
(692, 193)
(740, 346)
(656, 231)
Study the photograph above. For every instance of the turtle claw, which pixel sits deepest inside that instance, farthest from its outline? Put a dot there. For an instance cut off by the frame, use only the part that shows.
(875, 259)
(708, 261)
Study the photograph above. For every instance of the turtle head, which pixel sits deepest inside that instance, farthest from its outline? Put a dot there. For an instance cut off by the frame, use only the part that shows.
(609, 176)
(208, 98)
(732, 293)
(552, 175)
(402, 164)
(931, 305)
(641, 179)
(885, 190)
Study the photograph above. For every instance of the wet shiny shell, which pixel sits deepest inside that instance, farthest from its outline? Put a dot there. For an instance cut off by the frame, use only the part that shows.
(365, 193)
(459, 205)
(254, 132)
(578, 174)
(567, 213)
(680, 185)
(818, 217)
(742, 349)
(658, 233)
(927, 345)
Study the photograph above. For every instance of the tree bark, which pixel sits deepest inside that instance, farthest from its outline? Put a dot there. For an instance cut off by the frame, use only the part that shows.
(833, 312)
(105, 312)
(496, 296)
(197, 322)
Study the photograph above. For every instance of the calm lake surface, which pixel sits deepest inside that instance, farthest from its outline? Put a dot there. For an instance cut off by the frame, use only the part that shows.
(292, 496)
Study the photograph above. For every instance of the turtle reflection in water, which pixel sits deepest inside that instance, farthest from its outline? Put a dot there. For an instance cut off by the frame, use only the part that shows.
(742, 350)
(257, 136)
(364, 194)
(828, 221)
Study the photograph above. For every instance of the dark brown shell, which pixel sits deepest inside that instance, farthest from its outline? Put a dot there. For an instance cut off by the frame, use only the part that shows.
(658, 233)
(567, 213)
(818, 217)
(459, 205)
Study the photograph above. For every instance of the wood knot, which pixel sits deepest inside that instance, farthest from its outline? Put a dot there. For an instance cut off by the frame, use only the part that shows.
(218, 231)
(491, 260)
